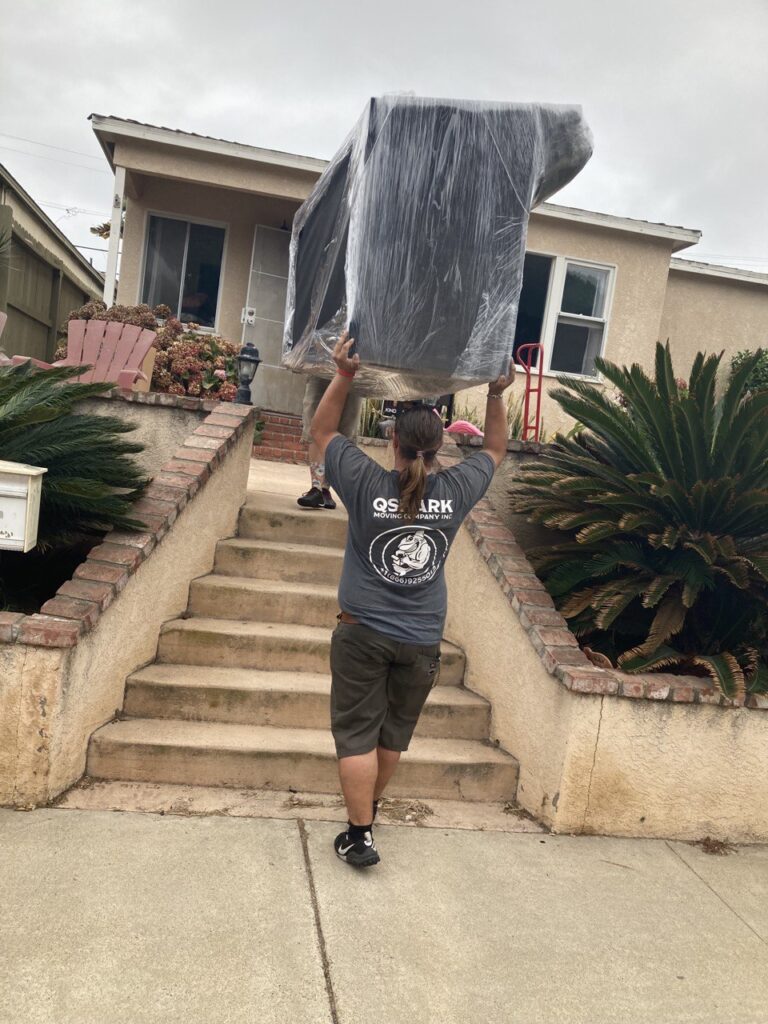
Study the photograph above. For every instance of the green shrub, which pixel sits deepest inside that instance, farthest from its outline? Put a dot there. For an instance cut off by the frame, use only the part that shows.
(470, 413)
(515, 421)
(758, 376)
(665, 496)
(91, 479)
(370, 416)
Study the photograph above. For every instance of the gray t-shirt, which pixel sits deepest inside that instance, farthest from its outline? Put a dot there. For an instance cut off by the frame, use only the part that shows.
(393, 577)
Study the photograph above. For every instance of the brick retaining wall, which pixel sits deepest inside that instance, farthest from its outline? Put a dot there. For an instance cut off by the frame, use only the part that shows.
(80, 601)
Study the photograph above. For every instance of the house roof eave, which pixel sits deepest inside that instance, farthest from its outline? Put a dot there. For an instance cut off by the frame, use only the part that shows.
(108, 128)
(680, 237)
(713, 270)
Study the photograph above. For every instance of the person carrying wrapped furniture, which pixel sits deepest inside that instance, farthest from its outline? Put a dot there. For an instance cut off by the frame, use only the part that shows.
(319, 494)
(385, 652)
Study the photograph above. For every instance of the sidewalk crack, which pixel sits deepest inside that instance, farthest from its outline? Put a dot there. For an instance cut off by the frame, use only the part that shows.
(318, 923)
(716, 893)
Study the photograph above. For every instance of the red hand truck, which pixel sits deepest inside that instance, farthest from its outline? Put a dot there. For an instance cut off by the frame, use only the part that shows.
(525, 356)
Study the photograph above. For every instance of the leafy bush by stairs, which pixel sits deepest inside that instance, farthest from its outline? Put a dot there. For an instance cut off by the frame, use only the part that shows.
(665, 496)
(91, 479)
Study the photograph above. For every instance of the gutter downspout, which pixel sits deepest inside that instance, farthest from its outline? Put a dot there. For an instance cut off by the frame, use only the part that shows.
(110, 278)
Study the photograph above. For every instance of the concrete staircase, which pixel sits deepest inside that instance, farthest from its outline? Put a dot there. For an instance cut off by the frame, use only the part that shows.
(238, 695)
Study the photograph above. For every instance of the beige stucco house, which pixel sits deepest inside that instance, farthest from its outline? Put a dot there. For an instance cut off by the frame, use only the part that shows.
(207, 227)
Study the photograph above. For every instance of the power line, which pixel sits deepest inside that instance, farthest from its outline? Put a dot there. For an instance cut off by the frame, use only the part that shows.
(48, 145)
(76, 209)
(92, 248)
(55, 160)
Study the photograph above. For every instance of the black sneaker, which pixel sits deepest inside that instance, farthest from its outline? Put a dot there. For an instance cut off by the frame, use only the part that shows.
(312, 499)
(328, 501)
(360, 854)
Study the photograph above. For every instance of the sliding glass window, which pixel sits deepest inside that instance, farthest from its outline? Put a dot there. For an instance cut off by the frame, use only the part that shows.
(182, 268)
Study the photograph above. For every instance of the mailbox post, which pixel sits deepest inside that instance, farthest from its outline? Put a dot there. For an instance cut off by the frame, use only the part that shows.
(20, 488)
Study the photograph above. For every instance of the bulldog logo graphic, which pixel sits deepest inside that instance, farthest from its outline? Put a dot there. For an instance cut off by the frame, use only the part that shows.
(407, 556)
(412, 554)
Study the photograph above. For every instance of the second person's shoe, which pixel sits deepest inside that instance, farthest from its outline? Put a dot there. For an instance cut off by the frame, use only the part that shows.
(312, 499)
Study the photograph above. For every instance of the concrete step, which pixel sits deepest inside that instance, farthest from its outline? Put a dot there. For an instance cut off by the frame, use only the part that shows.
(270, 560)
(282, 699)
(214, 754)
(269, 646)
(277, 517)
(193, 801)
(241, 597)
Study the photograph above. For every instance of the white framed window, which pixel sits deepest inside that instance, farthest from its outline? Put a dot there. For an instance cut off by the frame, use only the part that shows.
(182, 267)
(565, 304)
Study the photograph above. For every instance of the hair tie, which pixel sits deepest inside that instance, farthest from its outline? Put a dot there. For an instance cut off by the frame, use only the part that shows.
(419, 455)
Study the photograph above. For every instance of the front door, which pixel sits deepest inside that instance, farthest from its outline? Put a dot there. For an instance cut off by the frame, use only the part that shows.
(273, 387)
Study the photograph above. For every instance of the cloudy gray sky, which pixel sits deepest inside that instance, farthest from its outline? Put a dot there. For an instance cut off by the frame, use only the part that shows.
(676, 91)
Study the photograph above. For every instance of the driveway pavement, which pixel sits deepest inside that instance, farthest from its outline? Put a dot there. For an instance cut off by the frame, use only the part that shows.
(121, 918)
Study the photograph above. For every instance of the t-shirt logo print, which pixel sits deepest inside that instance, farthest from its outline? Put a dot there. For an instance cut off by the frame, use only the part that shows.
(408, 556)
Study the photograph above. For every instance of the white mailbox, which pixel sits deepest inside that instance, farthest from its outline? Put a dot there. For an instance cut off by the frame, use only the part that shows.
(20, 488)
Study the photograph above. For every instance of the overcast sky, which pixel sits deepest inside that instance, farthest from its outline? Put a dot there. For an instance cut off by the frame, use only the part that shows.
(676, 91)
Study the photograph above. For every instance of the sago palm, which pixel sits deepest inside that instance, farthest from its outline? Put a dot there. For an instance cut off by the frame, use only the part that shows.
(665, 497)
(91, 479)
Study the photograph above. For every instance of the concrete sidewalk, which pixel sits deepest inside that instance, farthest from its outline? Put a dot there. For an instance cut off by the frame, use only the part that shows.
(111, 918)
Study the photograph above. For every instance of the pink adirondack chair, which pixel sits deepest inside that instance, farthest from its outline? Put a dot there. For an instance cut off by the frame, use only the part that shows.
(115, 352)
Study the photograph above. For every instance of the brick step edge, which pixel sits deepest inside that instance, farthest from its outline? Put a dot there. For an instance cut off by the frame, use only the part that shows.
(268, 437)
(278, 418)
(269, 442)
(278, 455)
(282, 429)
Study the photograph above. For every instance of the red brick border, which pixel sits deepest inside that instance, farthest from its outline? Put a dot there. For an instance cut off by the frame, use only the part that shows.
(212, 405)
(79, 602)
(549, 633)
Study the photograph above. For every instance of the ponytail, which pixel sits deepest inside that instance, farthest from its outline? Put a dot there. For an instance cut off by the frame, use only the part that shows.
(413, 483)
(420, 434)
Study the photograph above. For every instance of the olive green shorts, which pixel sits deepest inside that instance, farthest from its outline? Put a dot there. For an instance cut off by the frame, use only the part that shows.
(350, 415)
(378, 689)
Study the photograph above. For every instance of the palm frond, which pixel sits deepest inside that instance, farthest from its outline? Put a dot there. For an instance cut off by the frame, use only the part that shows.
(91, 479)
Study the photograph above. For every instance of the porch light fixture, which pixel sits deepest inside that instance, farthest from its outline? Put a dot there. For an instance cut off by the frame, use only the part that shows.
(20, 488)
(248, 360)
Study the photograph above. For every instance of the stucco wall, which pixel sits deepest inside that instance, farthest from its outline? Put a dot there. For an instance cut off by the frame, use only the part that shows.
(29, 683)
(533, 716)
(604, 764)
(711, 314)
(160, 430)
(229, 172)
(52, 700)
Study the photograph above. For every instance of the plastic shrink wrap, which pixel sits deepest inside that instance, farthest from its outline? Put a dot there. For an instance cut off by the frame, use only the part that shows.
(414, 238)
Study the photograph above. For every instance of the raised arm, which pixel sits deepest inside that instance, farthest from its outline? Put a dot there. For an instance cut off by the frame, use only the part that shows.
(496, 426)
(325, 422)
